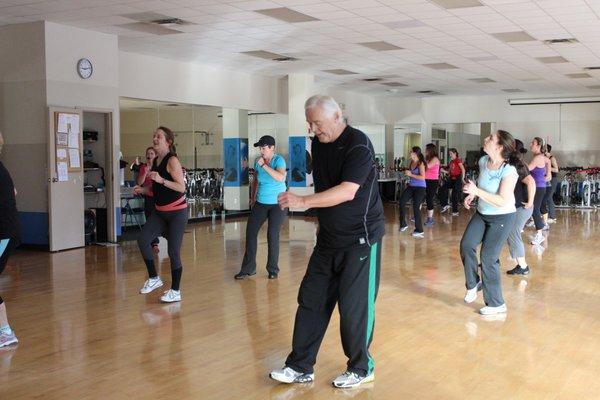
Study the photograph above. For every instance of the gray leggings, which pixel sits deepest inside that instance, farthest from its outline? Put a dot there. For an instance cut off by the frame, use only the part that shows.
(171, 226)
(515, 241)
(491, 231)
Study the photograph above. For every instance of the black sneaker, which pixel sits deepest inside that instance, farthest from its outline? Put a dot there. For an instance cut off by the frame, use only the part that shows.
(272, 275)
(518, 270)
(243, 275)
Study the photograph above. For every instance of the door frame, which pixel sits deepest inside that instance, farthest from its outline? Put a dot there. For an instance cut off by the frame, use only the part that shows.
(109, 174)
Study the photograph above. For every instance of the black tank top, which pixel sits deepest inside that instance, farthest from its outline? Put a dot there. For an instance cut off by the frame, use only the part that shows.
(163, 195)
(554, 174)
(9, 224)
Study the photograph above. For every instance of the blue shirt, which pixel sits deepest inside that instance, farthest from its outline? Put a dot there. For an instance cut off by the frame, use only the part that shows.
(489, 180)
(269, 188)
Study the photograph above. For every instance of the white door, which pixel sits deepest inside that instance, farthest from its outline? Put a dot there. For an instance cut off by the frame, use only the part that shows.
(65, 198)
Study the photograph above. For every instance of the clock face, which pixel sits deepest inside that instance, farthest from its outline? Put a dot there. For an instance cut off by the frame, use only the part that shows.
(84, 68)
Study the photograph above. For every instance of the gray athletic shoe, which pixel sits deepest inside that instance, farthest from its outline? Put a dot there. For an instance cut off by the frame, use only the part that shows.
(351, 379)
(6, 339)
(289, 375)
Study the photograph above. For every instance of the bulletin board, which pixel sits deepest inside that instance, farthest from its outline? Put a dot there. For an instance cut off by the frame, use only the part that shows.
(68, 143)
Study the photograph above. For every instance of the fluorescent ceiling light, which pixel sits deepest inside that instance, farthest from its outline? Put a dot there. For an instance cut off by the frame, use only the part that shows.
(579, 76)
(287, 15)
(482, 80)
(557, 100)
(380, 46)
(339, 71)
(512, 37)
(451, 4)
(552, 60)
(440, 66)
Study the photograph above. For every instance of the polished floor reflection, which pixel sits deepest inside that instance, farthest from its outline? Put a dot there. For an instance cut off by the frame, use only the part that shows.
(85, 332)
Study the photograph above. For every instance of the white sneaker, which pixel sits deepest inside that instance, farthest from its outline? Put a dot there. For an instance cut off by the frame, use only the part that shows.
(546, 227)
(445, 208)
(418, 234)
(289, 375)
(471, 294)
(538, 239)
(455, 214)
(530, 224)
(493, 310)
(6, 339)
(551, 220)
(171, 296)
(403, 228)
(351, 379)
(151, 284)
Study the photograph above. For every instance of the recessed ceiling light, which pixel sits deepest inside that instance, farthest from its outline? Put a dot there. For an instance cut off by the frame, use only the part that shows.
(406, 24)
(287, 15)
(339, 72)
(380, 46)
(579, 76)
(560, 41)
(552, 60)
(512, 37)
(594, 87)
(148, 27)
(440, 66)
(482, 80)
(267, 55)
(450, 4)
(394, 84)
(512, 90)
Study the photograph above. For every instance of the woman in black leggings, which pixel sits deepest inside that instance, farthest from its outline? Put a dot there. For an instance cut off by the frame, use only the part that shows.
(170, 216)
(9, 240)
(415, 191)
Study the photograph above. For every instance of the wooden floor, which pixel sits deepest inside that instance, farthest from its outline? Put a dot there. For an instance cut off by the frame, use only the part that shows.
(86, 333)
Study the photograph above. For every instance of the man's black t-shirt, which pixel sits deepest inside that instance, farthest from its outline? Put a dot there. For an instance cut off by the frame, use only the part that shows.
(350, 158)
(9, 226)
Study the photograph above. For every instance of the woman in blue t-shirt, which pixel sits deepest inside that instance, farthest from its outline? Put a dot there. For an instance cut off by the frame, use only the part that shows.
(269, 181)
(493, 221)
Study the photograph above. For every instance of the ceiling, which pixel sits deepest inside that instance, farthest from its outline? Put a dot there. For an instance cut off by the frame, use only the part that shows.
(128, 104)
(452, 47)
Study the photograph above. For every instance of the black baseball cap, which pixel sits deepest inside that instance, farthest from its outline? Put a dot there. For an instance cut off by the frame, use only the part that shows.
(265, 141)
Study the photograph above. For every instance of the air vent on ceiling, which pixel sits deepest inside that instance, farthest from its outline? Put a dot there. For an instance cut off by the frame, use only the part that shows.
(558, 41)
(285, 59)
(172, 105)
(170, 21)
(394, 84)
(512, 90)
(372, 79)
(432, 92)
(340, 71)
(591, 68)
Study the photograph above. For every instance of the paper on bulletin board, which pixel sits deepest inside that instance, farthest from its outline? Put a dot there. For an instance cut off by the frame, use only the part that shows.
(62, 169)
(68, 123)
(62, 139)
(74, 140)
(61, 154)
(74, 161)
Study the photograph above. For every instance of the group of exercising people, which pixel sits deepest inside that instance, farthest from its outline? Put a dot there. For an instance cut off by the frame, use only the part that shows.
(344, 268)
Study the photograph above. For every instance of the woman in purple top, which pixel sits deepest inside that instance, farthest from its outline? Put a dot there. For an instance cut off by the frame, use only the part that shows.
(540, 169)
(415, 191)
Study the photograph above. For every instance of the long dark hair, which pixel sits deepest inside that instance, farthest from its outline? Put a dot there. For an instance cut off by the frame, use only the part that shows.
(453, 150)
(417, 151)
(520, 149)
(430, 152)
(509, 150)
(170, 137)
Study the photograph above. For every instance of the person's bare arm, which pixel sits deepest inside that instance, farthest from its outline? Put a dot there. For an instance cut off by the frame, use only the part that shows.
(341, 193)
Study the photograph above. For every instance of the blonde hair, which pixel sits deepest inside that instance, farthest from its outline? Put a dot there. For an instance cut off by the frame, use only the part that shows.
(1, 142)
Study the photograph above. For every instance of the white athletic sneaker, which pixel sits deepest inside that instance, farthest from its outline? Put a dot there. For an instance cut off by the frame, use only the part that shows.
(289, 375)
(530, 224)
(493, 310)
(351, 379)
(418, 234)
(403, 228)
(551, 220)
(538, 239)
(171, 296)
(546, 227)
(6, 339)
(151, 284)
(445, 208)
(455, 214)
(471, 294)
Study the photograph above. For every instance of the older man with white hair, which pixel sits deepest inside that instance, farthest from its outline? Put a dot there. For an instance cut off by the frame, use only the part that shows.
(345, 264)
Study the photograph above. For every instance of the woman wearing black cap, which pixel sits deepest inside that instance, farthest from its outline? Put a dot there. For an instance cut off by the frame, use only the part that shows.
(268, 183)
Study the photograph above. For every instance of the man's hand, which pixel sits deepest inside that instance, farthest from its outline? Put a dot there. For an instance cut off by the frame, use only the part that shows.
(290, 200)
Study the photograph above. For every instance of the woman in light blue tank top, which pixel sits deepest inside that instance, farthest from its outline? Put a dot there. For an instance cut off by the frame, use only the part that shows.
(415, 191)
(493, 221)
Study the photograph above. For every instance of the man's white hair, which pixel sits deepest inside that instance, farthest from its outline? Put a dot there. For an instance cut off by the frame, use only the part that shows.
(326, 103)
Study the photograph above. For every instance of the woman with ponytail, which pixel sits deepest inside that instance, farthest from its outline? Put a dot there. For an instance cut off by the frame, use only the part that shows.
(170, 216)
(432, 177)
(491, 224)
(415, 191)
(540, 168)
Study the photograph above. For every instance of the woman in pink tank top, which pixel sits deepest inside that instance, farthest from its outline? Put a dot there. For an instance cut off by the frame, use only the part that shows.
(432, 176)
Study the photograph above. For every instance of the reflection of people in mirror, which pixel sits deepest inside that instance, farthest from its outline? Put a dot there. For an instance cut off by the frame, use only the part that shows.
(299, 164)
(231, 171)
